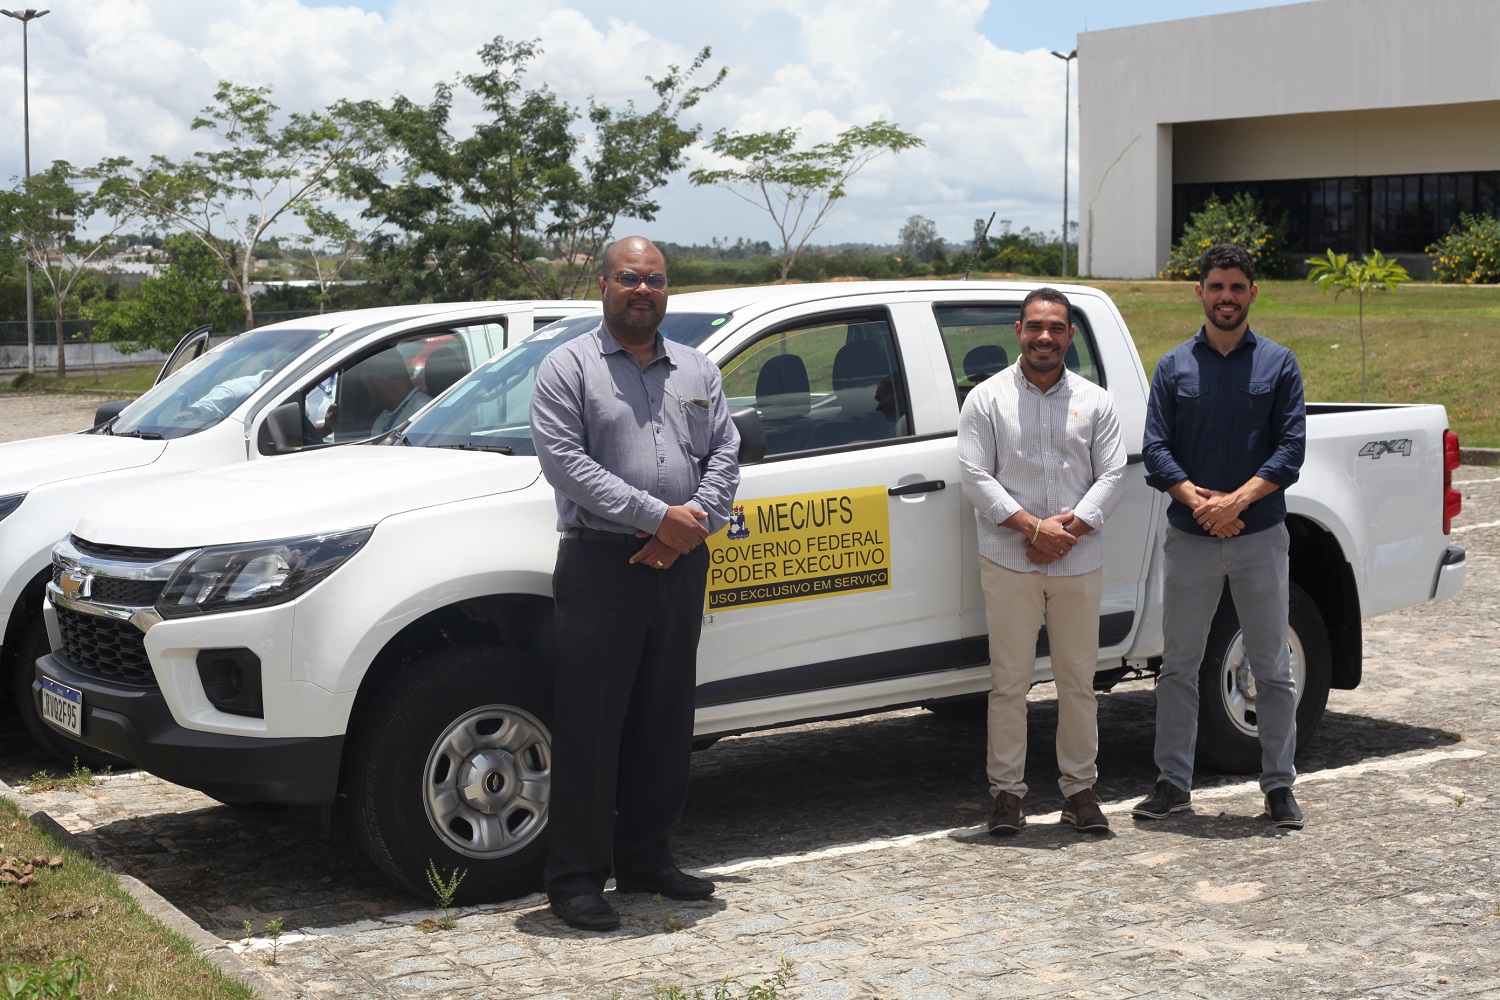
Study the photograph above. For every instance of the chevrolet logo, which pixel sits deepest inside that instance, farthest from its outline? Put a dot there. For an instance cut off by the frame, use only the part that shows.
(76, 586)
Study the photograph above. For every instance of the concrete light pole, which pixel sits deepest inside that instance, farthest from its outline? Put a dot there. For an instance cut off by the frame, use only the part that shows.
(1067, 108)
(26, 17)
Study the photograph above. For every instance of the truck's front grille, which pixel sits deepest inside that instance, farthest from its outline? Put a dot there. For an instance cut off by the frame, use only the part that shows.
(120, 593)
(106, 647)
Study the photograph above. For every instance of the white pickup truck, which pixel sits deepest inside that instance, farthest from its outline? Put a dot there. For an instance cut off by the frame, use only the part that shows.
(245, 398)
(376, 622)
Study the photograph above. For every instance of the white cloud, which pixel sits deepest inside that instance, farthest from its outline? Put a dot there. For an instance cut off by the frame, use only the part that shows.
(126, 77)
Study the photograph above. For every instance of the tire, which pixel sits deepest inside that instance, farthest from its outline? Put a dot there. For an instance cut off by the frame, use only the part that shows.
(1228, 741)
(33, 646)
(452, 765)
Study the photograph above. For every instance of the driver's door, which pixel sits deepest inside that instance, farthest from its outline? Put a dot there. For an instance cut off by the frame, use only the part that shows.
(188, 349)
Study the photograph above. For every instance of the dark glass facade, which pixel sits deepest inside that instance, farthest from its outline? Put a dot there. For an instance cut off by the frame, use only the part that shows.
(1402, 213)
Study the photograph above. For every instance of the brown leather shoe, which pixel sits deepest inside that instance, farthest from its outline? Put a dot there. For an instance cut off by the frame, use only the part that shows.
(1006, 817)
(1082, 810)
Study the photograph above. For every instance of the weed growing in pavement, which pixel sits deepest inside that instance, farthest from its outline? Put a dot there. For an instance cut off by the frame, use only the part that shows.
(445, 891)
(1459, 800)
(273, 931)
(670, 922)
(1455, 737)
(56, 982)
(249, 933)
(77, 780)
(767, 989)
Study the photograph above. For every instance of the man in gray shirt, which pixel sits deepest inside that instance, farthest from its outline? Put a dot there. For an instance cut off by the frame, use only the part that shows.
(1042, 462)
(633, 433)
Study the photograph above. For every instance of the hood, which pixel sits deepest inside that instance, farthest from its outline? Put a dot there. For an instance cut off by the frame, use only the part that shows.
(25, 465)
(305, 494)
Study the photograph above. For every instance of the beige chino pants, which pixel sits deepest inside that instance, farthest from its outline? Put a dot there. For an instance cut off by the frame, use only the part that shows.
(1015, 606)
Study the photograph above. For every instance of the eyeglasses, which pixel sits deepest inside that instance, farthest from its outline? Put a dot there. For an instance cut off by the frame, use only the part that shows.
(629, 279)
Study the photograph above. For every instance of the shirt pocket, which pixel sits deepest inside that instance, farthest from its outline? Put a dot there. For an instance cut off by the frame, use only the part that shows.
(1190, 398)
(1255, 399)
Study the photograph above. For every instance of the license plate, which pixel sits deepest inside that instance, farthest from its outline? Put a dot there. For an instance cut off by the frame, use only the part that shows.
(62, 706)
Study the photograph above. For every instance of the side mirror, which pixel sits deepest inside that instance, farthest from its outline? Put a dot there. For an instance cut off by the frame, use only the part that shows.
(108, 411)
(752, 434)
(281, 431)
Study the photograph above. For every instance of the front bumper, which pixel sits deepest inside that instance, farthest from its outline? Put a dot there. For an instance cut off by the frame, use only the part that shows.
(1450, 574)
(136, 724)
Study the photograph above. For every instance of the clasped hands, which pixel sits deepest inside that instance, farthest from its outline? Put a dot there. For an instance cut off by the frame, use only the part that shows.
(1218, 513)
(1055, 537)
(682, 529)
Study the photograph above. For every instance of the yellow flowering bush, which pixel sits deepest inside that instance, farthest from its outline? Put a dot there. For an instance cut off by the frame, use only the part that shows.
(1470, 253)
(1241, 221)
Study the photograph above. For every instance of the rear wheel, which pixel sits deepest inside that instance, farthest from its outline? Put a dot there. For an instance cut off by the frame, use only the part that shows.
(452, 766)
(1228, 737)
(33, 646)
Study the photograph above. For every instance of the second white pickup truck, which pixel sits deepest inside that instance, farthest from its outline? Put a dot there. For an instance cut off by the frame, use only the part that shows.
(376, 622)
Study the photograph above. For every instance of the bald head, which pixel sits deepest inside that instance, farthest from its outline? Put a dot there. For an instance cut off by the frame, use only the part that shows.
(630, 245)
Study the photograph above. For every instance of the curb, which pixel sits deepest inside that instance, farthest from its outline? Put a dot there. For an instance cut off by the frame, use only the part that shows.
(1479, 456)
(214, 949)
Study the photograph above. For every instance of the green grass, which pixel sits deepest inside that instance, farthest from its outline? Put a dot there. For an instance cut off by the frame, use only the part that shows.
(79, 911)
(125, 382)
(1425, 343)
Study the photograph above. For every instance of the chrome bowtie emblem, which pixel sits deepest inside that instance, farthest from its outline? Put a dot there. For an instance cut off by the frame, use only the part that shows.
(76, 585)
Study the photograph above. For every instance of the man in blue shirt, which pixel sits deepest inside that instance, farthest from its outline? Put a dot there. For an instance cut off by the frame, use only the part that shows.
(633, 433)
(1226, 430)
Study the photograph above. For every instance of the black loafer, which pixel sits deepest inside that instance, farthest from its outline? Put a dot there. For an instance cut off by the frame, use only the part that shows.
(587, 913)
(1282, 808)
(671, 882)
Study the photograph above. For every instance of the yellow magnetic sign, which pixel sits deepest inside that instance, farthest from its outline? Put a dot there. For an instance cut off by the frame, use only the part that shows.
(800, 548)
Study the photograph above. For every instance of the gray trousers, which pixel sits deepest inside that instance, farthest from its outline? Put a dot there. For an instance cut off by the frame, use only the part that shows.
(1195, 570)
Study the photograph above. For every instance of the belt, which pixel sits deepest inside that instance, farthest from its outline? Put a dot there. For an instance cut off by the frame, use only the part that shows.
(595, 535)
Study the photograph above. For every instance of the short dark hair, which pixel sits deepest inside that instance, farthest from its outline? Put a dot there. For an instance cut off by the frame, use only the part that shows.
(1047, 294)
(1227, 256)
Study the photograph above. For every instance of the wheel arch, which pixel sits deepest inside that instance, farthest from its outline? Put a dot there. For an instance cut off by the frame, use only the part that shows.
(1319, 567)
(523, 622)
(27, 607)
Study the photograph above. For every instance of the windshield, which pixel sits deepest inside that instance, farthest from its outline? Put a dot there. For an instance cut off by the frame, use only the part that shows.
(199, 395)
(490, 410)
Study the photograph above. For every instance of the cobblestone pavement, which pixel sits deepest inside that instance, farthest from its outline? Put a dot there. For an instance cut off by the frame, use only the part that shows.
(852, 849)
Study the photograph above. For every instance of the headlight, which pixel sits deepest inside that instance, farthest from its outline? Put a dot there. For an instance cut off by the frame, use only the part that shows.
(257, 574)
(9, 504)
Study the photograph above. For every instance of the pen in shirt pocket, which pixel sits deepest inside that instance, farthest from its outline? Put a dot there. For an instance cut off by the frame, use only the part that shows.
(682, 402)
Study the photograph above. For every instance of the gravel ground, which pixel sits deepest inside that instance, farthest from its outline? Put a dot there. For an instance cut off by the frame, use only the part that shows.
(37, 415)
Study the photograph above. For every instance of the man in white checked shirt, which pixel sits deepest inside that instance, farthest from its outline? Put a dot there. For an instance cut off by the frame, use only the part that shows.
(1043, 464)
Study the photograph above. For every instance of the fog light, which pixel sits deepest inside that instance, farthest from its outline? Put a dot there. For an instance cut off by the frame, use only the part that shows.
(231, 680)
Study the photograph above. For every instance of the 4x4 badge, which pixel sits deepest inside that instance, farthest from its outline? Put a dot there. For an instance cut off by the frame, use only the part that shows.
(1374, 449)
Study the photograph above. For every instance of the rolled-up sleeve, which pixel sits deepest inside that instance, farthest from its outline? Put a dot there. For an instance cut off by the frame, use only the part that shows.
(1108, 456)
(1289, 426)
(1162, 470)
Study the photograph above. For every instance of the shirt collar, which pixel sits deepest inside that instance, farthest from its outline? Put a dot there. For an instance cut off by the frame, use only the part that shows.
(609, 344)
(1248, 340)
(1023, 383)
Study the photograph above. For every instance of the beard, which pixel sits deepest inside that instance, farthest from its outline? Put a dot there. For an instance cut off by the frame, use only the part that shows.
(1221, 323)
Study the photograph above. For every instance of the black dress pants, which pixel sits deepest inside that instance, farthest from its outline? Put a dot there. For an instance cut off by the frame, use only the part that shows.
(622, 718)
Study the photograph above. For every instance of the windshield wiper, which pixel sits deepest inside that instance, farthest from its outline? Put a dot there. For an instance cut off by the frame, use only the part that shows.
(143, 435)
(499, 449)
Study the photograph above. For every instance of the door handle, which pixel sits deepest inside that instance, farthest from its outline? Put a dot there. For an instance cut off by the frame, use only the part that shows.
(911, 489)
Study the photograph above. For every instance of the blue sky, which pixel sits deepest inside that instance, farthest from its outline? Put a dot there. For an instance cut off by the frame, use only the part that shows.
(974, 80)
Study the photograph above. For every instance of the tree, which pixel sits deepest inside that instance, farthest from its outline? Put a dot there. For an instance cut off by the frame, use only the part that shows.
(483, 207)
(919, 239)
(41, 218)
(187, 293)
(229, 197)
(1242, 221)
(330, 244)
(1373, 273)
(797, 187)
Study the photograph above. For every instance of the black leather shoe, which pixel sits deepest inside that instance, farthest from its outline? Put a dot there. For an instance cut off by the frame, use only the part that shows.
(1164, 800)
(1282, 807)
(671, 882)
(587, 913)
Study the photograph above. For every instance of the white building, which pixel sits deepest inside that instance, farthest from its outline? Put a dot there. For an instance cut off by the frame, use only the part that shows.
(1371, 123)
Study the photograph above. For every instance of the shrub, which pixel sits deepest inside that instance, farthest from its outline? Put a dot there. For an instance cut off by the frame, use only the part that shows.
(1240, 221)
(1470, 253)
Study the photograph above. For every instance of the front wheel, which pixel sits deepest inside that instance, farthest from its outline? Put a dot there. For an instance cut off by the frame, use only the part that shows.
(452, 766)
(1228, 738)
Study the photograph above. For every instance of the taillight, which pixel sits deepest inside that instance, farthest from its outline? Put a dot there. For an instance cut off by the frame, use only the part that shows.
(1453, 501)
